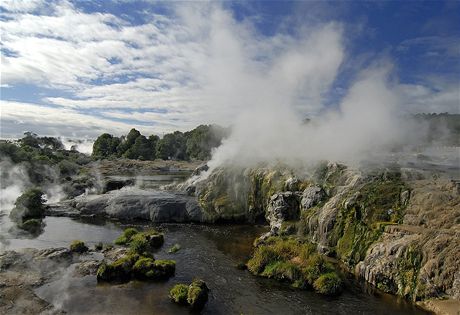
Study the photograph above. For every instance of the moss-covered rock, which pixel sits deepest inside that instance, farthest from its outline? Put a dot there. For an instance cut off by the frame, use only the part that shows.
(174, 249)
(78, 246)
(140, 242)
(118, 271)
(144, 268)
(150, 269)
(165, 268)
(328, 284)
(33, 226)
(197, 295)
(178, 293)
(289, 260)
(125, 238)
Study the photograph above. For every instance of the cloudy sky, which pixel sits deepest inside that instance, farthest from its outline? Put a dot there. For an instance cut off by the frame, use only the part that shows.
(80, 68)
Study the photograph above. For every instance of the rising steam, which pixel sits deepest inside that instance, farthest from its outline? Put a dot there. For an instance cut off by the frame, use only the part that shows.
(265, 87)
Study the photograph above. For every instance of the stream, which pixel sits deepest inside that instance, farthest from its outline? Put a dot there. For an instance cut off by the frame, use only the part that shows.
(208, 252)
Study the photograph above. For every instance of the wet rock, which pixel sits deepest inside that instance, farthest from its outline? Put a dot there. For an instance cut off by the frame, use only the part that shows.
(178, 294)
(200, 169)
(197, 295)
(116, 184)
(57, 254)
(282, 207)
(150, 269)
(156, 206)
(78, 246)
(87, 268)
(292, 184)
(311, 196)
(118, 271)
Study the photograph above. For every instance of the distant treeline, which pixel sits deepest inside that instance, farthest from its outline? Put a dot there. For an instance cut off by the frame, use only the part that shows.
(195, 144)
(38, 155)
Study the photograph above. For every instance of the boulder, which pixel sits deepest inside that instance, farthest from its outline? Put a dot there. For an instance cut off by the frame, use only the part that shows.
(282, 207)
(311, 196)
(137, 204)
(197, 295)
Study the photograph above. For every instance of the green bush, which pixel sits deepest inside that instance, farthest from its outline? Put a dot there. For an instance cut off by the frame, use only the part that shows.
(30, 205)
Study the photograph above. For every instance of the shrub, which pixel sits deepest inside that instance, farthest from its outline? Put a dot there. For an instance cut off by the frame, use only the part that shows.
(30, 205)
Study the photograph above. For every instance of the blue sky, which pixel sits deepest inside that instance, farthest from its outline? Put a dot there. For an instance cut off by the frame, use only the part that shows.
(80, 68)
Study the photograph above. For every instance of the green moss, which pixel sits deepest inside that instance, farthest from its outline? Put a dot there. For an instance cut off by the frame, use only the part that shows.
(179, 293)
(144, 268)
(408, 270)
(328, 284)
(166, 268)
(125, 238)
(197, 294)
(290, 260)
(174, 249)
(283, 271)
(78, 246)
(315, 266)
(118, 271)
(148, 268)
(262, 256)
(140, 242)
(360, 224)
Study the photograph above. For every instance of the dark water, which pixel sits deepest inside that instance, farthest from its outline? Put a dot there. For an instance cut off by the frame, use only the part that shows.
(208, 252)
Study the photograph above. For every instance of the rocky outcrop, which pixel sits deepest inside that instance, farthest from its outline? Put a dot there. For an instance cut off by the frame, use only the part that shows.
(395, 229)
(21, 272)
(134, 204)
(283, 206)
(419, 258)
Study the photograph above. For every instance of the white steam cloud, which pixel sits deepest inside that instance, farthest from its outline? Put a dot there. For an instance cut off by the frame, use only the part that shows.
(265, 87)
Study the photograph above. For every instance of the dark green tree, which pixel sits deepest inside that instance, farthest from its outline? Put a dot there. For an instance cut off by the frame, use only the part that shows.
(172, 146)
(30, 205)
(141, 149)
(105, 146)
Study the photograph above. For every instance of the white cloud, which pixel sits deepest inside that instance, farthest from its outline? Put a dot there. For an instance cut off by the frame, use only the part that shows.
(19, 117)
(197, 64)
(419, 98)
